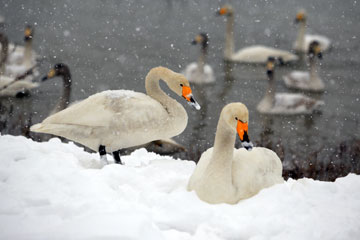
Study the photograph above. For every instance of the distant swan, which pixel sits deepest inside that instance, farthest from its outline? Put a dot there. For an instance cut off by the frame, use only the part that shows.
(285, 103)
(200, 72)
(308, 81)
(303, 40)
(253, 54)
(117, 119)
(227, 175)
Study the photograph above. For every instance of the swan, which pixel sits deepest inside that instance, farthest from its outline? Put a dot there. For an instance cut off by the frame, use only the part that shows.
(227, 175)
(20, 59)
(303, 40)
(252, 54)
(309, 81)
(12, 87)
(200, 72)
(285, 103)
(117, 119)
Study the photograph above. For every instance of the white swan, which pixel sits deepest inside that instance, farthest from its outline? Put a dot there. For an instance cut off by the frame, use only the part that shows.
(227, 175)
(19, 59)
(309, 81)
(303, 40)
(253, 54)
(116, 119)
(285, 103)
(200, 72)
(11, 87)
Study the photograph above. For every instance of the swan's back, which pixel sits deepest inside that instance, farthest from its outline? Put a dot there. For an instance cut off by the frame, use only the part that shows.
(260, 54)
(116, 119)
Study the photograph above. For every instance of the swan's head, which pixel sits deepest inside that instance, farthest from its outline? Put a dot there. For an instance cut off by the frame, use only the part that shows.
(28, 33)
(270, 65)
(180, 85)
(225, 10)
(203, 39)
(236, 115)
(315, 50)
(300, 16)
(59, 69)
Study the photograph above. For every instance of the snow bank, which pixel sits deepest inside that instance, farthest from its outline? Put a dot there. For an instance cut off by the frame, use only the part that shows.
(53, 190)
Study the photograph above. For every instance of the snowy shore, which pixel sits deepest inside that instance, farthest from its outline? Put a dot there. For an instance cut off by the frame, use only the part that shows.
(53, 190)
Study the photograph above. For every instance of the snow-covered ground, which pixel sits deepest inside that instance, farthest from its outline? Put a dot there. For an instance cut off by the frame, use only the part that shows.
(53, 190)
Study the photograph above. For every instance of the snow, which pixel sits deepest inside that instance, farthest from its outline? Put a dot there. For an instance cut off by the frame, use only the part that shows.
(53, 190)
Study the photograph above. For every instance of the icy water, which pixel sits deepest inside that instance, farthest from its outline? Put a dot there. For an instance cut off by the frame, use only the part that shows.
(113, 44)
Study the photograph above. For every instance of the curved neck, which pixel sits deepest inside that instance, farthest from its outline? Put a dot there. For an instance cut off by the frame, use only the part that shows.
(4, 53)
(229, 37)
(300, 40)
(28, 53)
(65, 97)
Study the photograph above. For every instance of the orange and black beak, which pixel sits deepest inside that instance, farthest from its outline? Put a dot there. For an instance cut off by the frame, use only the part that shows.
(50, 74)
(222, 11)
(28, 33)
(242, 130)
(300, 17)
(187, 94)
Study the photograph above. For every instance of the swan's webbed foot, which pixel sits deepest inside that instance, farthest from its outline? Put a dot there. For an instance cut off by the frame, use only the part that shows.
(102, 153)
(116, 155)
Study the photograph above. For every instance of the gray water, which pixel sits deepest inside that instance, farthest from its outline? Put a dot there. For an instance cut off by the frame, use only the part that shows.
(113, 44)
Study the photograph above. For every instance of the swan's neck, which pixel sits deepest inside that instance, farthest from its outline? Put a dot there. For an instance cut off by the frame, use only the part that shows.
(229, 37)
(174, 109)
(223, 145)
(4, 54)
(300, 40)
(270, 92)
(65, 97)
(201, 60)
(313, 69)
(27, 54)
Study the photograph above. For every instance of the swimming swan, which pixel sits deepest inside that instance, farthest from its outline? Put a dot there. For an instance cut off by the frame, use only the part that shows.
(116, 119)
(227, 175)
(200, 72)
(285, 103)
(308, 81)
(253, 54)
(303, 40)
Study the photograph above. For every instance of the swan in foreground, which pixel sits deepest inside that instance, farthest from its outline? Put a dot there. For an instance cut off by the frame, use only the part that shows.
(200, 72)
(253, 54)
(227, 175)
(303, 40)
(309, 81)
(116, 119)
(285, 103)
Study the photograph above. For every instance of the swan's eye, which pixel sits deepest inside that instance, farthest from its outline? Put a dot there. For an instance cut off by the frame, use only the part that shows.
(181, 85)
(236, 118)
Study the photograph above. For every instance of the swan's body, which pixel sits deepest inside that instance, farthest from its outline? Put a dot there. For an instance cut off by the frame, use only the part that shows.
(199, 72)
(227, 175)
(285, 103)
(11, 88)
(117, 119)
(252, 54)
(308, 81)
(304, 40)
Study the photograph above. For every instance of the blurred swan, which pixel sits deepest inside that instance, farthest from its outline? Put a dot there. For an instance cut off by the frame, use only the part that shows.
(227, 175)
(303, 40)
(117, 119)
(252, 54)
(200, 72)
(20, 59)
(309, 81)
(285, 103)
(11, 87)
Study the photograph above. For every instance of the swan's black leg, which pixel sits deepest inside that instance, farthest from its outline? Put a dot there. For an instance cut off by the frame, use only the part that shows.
(116, 155)
(102, 153)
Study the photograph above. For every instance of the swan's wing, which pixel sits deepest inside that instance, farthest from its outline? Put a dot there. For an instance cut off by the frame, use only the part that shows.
(260, 54)
(288, 103)
(297, 79)
(118, 109)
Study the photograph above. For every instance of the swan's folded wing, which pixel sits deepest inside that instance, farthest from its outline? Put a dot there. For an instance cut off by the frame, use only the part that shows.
(116, 109)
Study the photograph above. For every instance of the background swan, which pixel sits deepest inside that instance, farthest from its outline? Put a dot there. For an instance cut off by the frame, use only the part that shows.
(11, 87)
(253, 54)
(307, 80)
(285, 103)
(303, 40)
(227, 175)
(116, 119)
(200, 72)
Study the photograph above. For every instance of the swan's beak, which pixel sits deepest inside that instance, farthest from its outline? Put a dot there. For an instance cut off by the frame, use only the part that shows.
(187, 94)
(242, 129)
(222, 11)
(50, 74)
